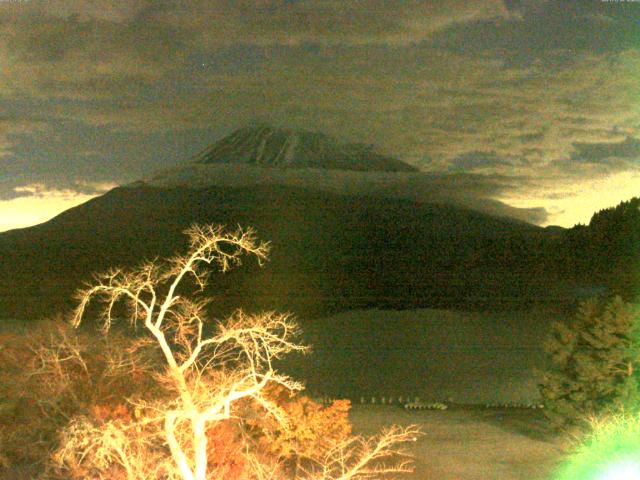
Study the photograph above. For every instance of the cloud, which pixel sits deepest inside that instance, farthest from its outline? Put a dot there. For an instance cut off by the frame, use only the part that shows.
(594, 161)
(87, 49)
(11, 127)
(629, 149)
(273, 20)
(532, 137)
(554, 32)
(106, 10)
(564, 9)
(328, 22)
(76, 58)
(111, 90)
(36, 203)
(478, 160)
(81, 188)
(473, 191)
(568, 203)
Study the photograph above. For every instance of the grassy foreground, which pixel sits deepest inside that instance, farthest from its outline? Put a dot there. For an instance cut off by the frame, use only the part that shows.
(471, 444)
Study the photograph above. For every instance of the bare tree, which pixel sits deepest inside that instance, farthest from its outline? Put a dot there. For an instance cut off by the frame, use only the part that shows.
(206, 375)
(365, 458)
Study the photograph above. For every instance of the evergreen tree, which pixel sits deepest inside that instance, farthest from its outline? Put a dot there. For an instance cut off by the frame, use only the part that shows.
(594, 362)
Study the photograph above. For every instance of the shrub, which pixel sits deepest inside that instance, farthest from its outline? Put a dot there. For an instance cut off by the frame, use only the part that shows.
(312, 431)
(594, 365)
(21, 432)
(52, 372)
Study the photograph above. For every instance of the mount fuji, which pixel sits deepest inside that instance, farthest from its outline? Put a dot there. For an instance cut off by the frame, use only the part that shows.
(349, 227)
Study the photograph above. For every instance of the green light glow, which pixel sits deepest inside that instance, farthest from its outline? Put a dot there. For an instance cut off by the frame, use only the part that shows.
(629, 470)
(612, 452)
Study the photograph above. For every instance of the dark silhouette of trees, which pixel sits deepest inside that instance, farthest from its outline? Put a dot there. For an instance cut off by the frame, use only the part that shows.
(593, 364)
(605, 252)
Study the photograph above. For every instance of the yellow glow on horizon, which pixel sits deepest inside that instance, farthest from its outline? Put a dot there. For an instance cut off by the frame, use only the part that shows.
(31, 210)
(567, 204)
(572, 204)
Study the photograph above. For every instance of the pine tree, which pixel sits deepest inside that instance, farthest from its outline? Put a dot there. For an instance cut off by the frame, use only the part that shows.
(594, 361)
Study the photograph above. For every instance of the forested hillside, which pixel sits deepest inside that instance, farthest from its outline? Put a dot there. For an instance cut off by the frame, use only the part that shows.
(607, 251)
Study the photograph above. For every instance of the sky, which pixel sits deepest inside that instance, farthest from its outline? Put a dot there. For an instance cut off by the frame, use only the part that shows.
(541, 94)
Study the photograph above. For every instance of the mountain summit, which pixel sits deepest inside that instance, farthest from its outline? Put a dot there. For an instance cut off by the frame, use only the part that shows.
(284, 148)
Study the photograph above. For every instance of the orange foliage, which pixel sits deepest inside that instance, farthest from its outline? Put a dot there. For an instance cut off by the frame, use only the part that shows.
(21, 432)
(35, 403)
(104, 413)
(312, 427)
(15, 355)
(225, 448)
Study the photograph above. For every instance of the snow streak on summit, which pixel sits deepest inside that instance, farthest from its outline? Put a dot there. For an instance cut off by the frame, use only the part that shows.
(284, 148)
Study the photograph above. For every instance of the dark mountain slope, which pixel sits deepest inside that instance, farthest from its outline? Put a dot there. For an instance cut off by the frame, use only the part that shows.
(329, 252)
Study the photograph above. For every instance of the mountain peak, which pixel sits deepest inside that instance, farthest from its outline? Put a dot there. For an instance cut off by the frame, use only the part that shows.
(269, 146)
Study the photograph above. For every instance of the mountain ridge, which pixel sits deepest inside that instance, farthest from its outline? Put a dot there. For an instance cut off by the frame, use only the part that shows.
(330, 252)
(384, 236)
(289, 148)
(419, 187)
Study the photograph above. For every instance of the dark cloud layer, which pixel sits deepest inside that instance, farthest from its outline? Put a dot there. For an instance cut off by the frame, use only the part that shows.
(550, 31)
(471, 161)
(534, 90)
(629, 149)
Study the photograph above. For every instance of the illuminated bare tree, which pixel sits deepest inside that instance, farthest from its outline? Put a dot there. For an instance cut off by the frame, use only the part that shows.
(207, 374)
(365, 458)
